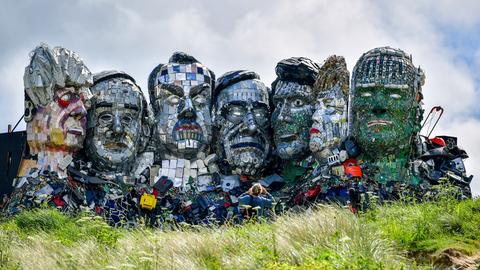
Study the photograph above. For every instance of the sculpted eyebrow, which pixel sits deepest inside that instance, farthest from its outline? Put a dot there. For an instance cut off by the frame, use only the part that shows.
(104, 104)
(132, 106)
(198, 89)
(174, 89)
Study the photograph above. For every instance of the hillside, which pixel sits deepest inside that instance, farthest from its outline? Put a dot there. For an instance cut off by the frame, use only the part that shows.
(397, 236)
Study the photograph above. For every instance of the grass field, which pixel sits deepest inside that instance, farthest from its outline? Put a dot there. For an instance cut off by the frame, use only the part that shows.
(395, 236)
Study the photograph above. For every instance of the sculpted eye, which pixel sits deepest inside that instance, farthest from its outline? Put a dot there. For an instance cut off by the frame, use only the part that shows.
(395, 96)
(173, 100)
(366, 94)
(200, 100)
(105, 118)
(298, 102)
(127, 119)
(64, 100)
(260, 113)
(236, 111)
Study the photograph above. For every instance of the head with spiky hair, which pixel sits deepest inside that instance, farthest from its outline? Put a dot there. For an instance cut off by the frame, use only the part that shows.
(242, 122)
(293, 99)
(119, 122)
(329, 125)
(385, 95)
(180, 94)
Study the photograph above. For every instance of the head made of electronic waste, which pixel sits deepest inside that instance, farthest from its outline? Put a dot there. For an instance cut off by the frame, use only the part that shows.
(180, 94)
(293, 100)
(385, 97)
(242, 122)
(56, 100)
(119, 122)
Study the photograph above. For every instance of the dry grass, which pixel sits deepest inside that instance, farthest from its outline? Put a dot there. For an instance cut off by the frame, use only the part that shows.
(326, 238)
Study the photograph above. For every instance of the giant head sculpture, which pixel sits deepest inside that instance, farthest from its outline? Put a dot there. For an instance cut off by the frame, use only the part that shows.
(385, 102)
(329, 125)
(56, 96)
(180, 94)
(241, 120)
(118, 122)
(293, 99)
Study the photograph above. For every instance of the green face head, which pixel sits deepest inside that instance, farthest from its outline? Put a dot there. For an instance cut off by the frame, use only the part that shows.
(384, 117)
(384, 102)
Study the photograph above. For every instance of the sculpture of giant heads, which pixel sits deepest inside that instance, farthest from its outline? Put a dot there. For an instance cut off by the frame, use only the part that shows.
(180, 94)
(118, 122)
(56, 96)
(385, 100)
(242, 122)
(294, 100)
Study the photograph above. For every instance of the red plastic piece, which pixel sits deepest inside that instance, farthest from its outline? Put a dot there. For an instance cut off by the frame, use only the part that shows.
(313, 192)
(314, 131)
(438, 141)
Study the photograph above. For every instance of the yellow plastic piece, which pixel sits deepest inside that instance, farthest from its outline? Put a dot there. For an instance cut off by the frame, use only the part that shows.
(148, 201)
(56, 137)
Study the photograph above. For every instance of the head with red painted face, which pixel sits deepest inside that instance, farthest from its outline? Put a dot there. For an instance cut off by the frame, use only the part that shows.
(56, 96)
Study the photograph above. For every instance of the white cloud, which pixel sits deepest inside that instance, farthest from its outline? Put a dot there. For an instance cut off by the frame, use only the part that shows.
(249, 34)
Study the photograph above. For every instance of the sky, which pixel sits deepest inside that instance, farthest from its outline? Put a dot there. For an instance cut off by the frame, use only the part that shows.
(134, 36)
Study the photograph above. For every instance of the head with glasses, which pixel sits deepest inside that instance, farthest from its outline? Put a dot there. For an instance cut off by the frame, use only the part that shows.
(180, 94)
(242, 122)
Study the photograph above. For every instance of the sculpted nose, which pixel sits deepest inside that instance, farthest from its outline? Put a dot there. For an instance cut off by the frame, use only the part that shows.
(117, 125)
(378, 108)
(284, 113)
(249, 124)
(188, 111)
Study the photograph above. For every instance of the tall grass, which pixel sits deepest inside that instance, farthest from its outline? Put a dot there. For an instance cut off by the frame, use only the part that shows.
(325, 238)
(389, 237)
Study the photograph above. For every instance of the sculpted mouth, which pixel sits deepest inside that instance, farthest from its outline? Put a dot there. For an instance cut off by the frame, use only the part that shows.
(244, 142)
(248, 144)
(75, 131)
(288, 137)
(187, 131)
(314, 131)
(115, 145)
(379, 122)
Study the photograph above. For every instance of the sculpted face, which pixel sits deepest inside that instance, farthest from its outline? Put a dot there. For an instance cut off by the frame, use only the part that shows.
(60, 125)
(292, 118)
(329, 121)
(56, 96)
(329, 126)
(182, 100)
(385, 95)
(242, 118)
(384, 116)
(116, 123)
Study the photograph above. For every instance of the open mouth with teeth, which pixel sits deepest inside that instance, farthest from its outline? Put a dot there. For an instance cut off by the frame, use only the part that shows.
(187, 131)
(378, 122)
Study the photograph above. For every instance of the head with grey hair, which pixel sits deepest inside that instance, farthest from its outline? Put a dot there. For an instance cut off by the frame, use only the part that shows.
(118, 122)
(56, 96)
